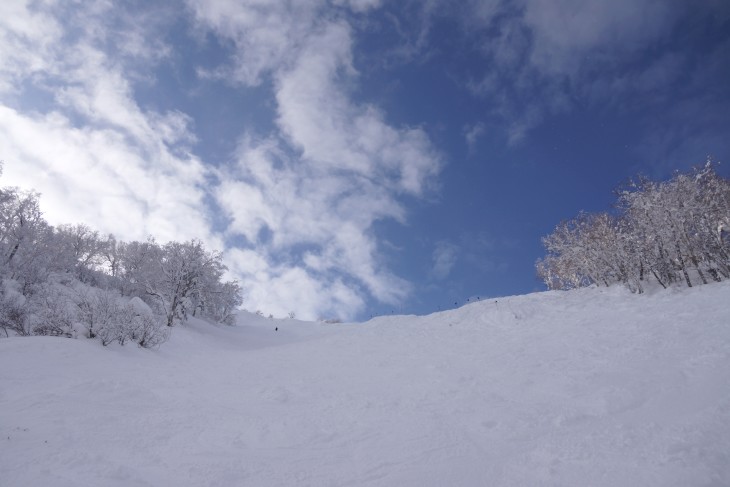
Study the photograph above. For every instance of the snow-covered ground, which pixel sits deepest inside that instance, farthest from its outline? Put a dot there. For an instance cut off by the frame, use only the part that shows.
(589, 387)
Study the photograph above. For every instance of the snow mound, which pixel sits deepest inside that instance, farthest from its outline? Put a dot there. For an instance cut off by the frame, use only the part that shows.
(588, 387)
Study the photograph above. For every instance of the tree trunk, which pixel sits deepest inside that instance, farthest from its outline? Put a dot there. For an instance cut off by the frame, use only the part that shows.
(682, 265)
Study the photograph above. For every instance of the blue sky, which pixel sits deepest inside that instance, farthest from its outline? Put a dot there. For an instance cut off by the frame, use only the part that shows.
(357, 157)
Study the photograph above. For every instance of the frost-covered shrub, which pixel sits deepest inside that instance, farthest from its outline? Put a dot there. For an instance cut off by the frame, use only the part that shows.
(88, 312)
(120, 326)
(14, 315)
(149, 330)
(146, 327)
(53, 312)
(103, 315)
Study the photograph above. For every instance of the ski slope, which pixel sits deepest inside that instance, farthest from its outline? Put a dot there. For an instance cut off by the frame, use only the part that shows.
(591, 387)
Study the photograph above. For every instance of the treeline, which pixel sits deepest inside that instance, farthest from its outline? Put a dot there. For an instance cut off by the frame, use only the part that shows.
(666, 232)
(70, 280)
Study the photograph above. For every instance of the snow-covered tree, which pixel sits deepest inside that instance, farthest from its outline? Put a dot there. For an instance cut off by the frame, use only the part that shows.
(666, 231)
(26, 240)
(83, 250)
(70, 280)
(137, 263)
(186, 276)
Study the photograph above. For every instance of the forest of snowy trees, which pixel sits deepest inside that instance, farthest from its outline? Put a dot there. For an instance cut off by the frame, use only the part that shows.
(668, 232)
(71, 281)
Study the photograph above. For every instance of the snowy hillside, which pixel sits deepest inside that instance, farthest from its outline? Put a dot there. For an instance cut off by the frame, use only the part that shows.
(589, 387)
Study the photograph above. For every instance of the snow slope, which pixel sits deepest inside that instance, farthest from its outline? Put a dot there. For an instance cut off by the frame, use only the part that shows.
(589, 387)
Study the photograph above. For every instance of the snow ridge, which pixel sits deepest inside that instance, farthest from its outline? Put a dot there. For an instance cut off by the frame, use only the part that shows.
(586, 387)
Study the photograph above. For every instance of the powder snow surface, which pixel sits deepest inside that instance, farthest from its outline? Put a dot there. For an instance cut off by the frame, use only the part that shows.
(589, 387)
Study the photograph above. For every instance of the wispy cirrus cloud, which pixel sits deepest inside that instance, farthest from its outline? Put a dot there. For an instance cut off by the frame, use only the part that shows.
(445, 255)
(306, 197)
(572, 35)
(94, 153)
(94, 176)
(548, 58)
(29, 40)
(294, 209)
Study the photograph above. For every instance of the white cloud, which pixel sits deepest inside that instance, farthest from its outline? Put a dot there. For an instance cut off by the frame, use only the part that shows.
(306, 198)
(294, 204)
(303, 198)
(358, 5)
(445, 256)
(95, 155)
(545, 56)
(279, 289)
(266, 33)
(472, 134)
(94, 176)
(568, 32)
(27, 38)
(333, 133)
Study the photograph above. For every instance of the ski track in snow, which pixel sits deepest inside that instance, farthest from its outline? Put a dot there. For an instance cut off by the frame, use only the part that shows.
(590, 387)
